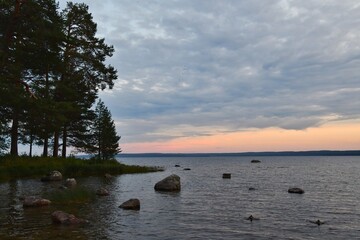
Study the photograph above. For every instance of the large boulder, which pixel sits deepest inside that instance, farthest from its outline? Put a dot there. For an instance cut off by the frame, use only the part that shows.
(131, 204)
(296, 190)
(52, 176)
(61, 217)
(169, 184)
(32, 201)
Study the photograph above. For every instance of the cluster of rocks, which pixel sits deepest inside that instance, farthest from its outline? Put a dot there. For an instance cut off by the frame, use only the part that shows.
(60, 217)
(168, 184)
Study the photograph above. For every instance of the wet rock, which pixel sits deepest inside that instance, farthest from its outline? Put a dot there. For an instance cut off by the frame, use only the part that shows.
(255, 161)
(131, 204)
(61, 217)
(176, 165)
(187, 169)
(226, 175)
(32, 201)
(169, 184)
(296, 190)
(102, 192)
(52, 176)
(70, 183)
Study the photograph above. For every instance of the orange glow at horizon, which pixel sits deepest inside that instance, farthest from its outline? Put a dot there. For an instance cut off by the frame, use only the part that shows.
(341, 136)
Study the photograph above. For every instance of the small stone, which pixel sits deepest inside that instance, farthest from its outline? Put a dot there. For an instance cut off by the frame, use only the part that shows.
(52, 176)
(70, 182)
(108, 176)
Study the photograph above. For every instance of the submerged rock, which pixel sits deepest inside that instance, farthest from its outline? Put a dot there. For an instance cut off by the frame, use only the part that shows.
(52, 176)
(169, 184)
(61, 217)
(296, 190)
(317, 222)
(32, 201)
(177, 165)
(131, 204)
(252, 189)
(187, 169)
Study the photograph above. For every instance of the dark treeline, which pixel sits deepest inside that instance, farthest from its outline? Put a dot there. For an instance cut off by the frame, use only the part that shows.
(52, 66)
(249, 154)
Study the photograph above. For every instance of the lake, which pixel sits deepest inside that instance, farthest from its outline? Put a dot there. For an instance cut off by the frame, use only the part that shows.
(208, 206)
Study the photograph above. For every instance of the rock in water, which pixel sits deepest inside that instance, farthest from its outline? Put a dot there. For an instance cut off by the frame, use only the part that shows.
(169, 184)
(61, 217)
(131, 204)
(32, 201)
(296, 190)
(52, 176)
(227, 175)
(255, 161)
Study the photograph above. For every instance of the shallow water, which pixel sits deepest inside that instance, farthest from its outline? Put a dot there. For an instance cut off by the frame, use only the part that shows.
(208, 206)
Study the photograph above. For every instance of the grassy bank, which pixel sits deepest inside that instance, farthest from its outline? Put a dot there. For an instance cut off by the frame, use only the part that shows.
(32, 167)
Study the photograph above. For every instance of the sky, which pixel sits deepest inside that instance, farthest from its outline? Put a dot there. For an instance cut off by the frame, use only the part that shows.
(233, 75)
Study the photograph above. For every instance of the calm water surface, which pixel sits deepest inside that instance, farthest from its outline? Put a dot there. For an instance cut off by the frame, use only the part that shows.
(208, 207)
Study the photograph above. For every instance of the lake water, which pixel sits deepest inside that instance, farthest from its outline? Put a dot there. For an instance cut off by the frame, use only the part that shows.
(208, 206)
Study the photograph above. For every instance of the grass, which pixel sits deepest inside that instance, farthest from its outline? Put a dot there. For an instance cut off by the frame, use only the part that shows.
(32, 167)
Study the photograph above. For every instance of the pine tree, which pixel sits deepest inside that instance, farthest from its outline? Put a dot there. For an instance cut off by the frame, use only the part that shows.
(83, 75)
(103, 140)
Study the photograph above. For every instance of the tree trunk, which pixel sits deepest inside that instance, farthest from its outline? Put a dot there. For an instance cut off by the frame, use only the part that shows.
(31, 144)
(46, 147)
(64, 142)
(56, 144)
(14, 133)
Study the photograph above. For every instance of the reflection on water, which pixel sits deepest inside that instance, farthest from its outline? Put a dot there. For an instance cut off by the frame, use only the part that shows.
(208, 206)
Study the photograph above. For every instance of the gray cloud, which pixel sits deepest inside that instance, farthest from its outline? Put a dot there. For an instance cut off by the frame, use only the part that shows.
(193, 68)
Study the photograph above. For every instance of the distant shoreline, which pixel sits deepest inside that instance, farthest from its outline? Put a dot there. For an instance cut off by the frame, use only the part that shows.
(248, 154)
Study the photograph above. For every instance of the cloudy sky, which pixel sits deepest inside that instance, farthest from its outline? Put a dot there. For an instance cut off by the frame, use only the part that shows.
(233, 75)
